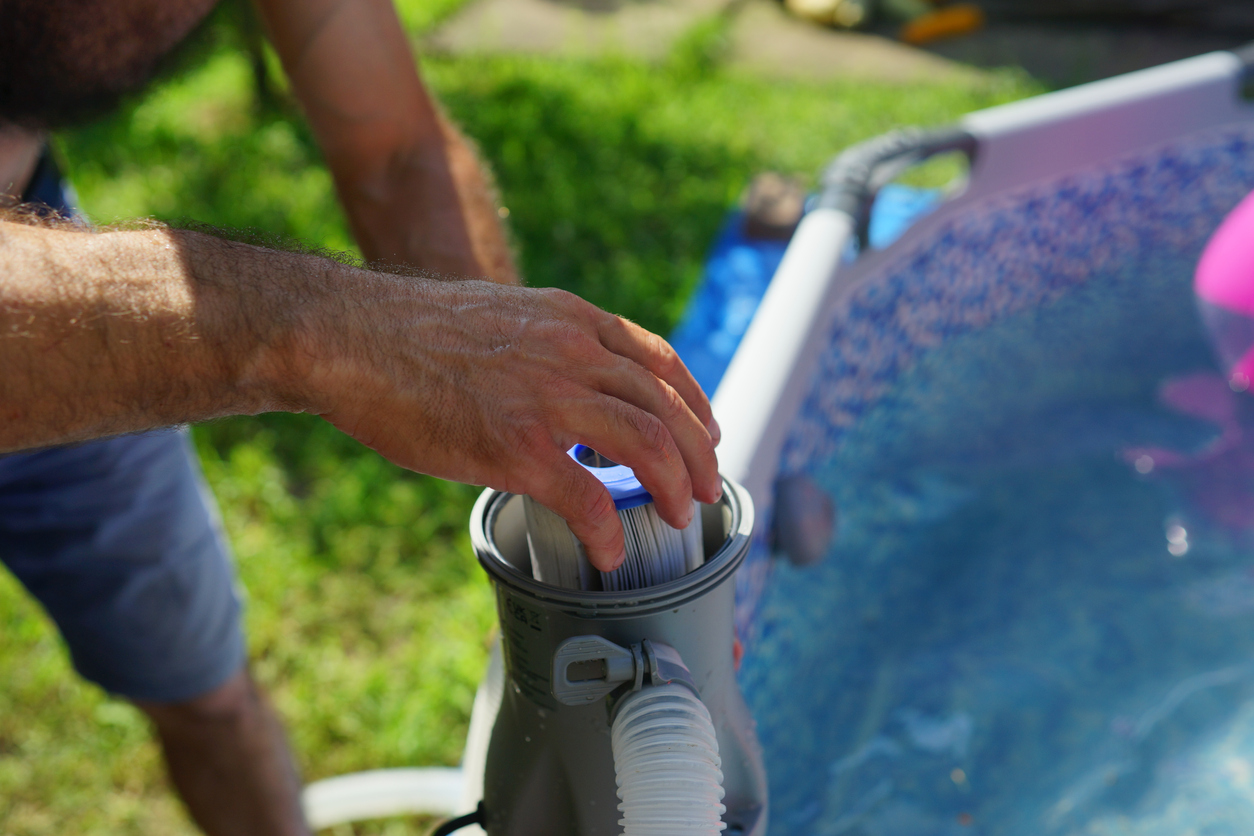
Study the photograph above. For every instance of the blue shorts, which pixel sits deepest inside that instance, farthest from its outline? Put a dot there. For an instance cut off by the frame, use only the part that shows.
(120, 541)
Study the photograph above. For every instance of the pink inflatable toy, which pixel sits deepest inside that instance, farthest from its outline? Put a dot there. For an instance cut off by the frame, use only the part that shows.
(1216, 481)
(1224, 284)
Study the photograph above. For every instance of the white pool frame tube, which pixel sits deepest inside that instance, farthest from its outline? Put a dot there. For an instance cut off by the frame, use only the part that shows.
(760, 389)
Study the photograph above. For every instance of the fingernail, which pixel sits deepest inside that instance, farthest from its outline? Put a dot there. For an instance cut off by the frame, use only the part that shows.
(618, 561)
(715, 431)
(688, 517)
(718, 489)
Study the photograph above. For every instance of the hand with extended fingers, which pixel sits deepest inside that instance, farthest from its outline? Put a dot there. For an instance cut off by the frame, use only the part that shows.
(491, 385)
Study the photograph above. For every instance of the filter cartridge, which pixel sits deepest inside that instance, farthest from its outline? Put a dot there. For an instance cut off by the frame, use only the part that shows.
(656, 553)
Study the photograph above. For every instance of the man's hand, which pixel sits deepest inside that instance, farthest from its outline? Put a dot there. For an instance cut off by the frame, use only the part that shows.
(491, 385)
(414, 190)
(467, 380)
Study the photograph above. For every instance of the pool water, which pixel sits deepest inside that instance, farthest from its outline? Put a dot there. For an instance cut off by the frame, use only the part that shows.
(1002, 600)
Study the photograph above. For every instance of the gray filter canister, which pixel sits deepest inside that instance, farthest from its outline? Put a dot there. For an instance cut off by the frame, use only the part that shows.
(643, 657)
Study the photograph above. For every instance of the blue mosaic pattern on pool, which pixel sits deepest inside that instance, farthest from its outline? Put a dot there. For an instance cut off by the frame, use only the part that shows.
(1000, 641)
(737, 273)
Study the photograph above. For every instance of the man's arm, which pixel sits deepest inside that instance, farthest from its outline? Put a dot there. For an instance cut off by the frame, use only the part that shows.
(413, 189)
(19, 154)
(114, 332)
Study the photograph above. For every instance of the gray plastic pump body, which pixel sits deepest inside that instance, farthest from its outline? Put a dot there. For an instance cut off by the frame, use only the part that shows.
(550, 769)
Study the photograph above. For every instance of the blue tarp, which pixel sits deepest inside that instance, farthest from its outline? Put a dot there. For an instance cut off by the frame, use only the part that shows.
(739, 269)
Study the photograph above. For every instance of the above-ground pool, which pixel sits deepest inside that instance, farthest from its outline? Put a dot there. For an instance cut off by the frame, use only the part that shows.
(1036, 615)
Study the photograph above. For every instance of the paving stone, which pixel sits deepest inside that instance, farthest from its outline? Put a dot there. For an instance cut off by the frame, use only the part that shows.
(768, 41)
(642, 28)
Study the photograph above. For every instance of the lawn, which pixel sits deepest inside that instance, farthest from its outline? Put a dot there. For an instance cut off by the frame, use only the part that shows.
(367, 616)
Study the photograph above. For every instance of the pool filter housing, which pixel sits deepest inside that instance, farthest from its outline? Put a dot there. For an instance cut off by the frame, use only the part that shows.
(549, 765)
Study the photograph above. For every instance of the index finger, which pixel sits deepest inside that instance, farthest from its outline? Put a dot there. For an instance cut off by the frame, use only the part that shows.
(629, 340)
(570, 491)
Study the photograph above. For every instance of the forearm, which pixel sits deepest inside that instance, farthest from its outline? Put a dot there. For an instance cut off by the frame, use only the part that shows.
(432, 207)
(414, 190)
(116, 332)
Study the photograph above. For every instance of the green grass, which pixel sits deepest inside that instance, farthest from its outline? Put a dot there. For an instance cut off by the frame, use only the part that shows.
(367, 616)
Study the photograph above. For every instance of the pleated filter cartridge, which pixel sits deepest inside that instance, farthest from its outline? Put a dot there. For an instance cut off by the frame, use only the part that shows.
(656, 553)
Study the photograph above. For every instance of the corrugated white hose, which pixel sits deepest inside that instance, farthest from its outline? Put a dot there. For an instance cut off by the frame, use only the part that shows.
(667, 764)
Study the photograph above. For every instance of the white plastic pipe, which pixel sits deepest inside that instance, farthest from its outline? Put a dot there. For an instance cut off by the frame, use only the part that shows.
(667, 765)
(379, 793)
(482, 718)
(438, 791)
